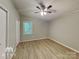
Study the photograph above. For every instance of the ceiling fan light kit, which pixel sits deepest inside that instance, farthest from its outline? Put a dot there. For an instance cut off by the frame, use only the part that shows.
(43, 9)
(43, 13)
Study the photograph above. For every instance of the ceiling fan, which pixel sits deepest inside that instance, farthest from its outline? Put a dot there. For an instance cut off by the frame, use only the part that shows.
(44, 10)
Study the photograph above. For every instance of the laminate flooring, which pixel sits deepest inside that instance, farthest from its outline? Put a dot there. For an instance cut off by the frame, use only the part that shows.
(43, 49)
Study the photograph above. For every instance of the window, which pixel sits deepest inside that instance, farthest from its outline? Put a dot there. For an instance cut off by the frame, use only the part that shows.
(27, 27)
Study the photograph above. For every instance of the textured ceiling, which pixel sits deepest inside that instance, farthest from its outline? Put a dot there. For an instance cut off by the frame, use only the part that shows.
(28, 7)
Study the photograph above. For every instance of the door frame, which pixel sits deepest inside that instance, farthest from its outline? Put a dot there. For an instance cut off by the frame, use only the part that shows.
(6, 40)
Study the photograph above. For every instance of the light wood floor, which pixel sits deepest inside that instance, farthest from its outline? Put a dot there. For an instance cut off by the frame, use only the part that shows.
(43, 49)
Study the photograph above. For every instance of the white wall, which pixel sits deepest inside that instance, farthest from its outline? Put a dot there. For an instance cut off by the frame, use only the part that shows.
(65, 29)
(17, 31)
(12, 17)
(39, 29)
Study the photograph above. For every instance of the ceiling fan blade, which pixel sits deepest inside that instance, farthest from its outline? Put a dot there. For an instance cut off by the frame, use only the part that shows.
(50, 6)
(54, 11)
(38, 7)
(49, 11)
(42, 5)
(36, 12)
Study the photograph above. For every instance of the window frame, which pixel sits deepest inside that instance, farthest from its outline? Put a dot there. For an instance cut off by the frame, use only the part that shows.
(30, 31)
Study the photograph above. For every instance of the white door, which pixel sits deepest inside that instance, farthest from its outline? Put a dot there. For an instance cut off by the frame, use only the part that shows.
(2, 33)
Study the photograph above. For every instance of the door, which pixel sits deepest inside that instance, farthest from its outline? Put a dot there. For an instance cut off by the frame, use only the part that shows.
(2, 33)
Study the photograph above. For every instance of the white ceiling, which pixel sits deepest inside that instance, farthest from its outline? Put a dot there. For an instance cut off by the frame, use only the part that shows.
(28, 7)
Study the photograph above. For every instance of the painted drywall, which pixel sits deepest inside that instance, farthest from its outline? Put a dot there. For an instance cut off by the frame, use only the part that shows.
(65, 29)
(39, 29)
(12, 17)
(17, 31)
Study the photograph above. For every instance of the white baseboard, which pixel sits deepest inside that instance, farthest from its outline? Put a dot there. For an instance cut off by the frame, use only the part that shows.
(65, 45)
(33, 39)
